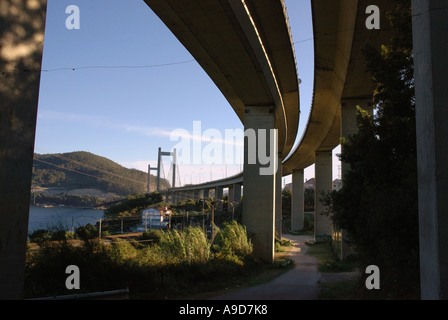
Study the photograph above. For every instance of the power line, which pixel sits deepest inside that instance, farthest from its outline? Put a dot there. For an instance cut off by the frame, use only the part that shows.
(118, 67)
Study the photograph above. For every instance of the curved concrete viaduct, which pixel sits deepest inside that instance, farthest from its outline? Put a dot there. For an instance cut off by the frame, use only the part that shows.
(340, 35)
(202, 192)
(245, 47)
(341, 82)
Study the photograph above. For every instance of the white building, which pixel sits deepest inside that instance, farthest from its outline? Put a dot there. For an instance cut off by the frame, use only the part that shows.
(156, 218)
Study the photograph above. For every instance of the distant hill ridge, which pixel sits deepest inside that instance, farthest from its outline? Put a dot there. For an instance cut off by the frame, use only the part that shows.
(85, 170)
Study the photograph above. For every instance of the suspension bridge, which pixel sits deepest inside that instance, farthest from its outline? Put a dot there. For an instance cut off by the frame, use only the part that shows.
(246, 49)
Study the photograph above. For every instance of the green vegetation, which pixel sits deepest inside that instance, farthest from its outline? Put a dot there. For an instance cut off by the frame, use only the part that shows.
(84, 170)
(377, 205)
(59, 233)
(87, 201)
(135, 204)
(328, 260)
(232, 241)
(176, 265)
(345, 287)
(341, 290)
(286, 201)
(308, 225)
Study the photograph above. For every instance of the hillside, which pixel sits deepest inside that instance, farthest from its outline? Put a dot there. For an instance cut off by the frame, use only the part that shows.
(83, 170)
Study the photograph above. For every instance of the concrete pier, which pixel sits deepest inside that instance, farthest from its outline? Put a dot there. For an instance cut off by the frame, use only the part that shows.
(219, 197)
(297, 200)
(430, 29)
(278, 199)
(196, 195)
(22, 25)
(236, 194)
(323, 178)
(230, 197)
(259, 190)
(206, 194)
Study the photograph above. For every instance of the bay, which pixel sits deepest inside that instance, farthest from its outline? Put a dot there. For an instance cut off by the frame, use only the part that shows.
(51, 217)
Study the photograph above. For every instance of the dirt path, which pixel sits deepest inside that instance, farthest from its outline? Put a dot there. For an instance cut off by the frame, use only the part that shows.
(299, 283)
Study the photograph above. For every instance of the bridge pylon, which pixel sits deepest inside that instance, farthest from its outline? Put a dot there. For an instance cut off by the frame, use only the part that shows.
(158, 169)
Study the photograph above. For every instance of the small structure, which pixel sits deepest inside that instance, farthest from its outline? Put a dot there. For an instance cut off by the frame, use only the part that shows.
(156, 218)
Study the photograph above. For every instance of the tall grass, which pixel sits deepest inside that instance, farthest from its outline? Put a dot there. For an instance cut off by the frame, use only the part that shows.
(232, 241)
(177, 261)
(189, 246)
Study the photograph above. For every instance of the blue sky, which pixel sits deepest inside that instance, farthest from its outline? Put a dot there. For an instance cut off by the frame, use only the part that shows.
(134, 83)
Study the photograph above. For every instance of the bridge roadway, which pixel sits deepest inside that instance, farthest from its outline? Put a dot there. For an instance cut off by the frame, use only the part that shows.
(245, 47)
(340, 84)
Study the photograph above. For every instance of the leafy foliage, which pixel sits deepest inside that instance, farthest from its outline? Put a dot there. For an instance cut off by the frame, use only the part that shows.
(86, 201)
(377, 205)
(176, 263)
(232, 240)
(135, 204)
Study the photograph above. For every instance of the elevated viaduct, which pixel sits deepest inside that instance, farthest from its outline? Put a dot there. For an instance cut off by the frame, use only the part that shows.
(245, 47)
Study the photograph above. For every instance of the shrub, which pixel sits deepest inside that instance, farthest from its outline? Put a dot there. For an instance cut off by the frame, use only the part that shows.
(232, 240)
(59, 235)
(153, 235)
(87, 232)
(122, 250)
(189, 246)
(40, 236)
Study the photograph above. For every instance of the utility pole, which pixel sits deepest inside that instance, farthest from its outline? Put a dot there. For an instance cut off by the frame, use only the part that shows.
(158, 168)
(174, 155)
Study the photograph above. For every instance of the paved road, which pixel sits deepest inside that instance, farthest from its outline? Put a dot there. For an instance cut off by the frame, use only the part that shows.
(300, 283)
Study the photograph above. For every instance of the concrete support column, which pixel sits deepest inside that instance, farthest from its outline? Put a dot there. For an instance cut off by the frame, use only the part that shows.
(297, 200)
(219, 196)
(196, 195)
(236, 194)
(22, 25)
(278, 199)
(206, 194)
(183, 195)
(430, 27)
(323, 176)
(259, 189)
(230, 197)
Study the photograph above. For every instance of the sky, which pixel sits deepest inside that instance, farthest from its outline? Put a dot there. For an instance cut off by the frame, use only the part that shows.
(122, 84)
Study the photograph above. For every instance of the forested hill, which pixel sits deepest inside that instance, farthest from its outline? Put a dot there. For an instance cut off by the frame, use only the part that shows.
(84, 170)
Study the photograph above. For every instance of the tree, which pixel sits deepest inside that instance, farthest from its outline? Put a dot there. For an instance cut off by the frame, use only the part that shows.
(377, 205)
(286, 202)
(135, 204)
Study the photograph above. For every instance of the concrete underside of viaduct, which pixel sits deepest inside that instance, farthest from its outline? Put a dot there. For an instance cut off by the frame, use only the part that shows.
(250, 58)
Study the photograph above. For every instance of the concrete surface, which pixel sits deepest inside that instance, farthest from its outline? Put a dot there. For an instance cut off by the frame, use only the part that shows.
(300, 283)
(430, 26)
